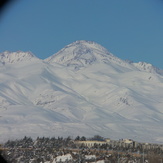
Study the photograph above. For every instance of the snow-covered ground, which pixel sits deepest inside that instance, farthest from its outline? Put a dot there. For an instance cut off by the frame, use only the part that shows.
(63, 158)
(68, 157)
(81, 90)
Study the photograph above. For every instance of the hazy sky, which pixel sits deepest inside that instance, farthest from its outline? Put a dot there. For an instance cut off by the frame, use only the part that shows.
(129, 29)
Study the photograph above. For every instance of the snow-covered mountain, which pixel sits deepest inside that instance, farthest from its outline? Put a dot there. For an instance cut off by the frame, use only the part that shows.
(81, 90)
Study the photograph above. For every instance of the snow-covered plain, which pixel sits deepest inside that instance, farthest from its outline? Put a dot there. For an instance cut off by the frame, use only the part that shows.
(81, 90)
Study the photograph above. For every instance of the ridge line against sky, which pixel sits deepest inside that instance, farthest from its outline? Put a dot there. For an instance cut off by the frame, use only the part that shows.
(131, 30)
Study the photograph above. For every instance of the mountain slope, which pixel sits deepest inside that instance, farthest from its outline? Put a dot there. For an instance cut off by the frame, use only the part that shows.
(81, 90)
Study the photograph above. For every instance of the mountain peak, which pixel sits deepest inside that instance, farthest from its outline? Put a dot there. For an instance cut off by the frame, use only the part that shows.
(79, 54)
(88, 45)
(14, 57)
(143, 66)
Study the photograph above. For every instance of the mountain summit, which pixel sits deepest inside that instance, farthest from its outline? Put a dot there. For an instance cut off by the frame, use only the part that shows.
(79, 54)
(81, 90)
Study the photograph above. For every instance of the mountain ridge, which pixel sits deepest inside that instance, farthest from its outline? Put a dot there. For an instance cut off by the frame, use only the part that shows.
(84, 47)
(106, 56)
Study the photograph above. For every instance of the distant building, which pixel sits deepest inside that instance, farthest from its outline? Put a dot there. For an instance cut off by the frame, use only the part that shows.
(125, 143)
(90, 143)
(128, 143)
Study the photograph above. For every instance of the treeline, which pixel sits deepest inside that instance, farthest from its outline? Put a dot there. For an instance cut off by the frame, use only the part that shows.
(96, 137)
(40, 150)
